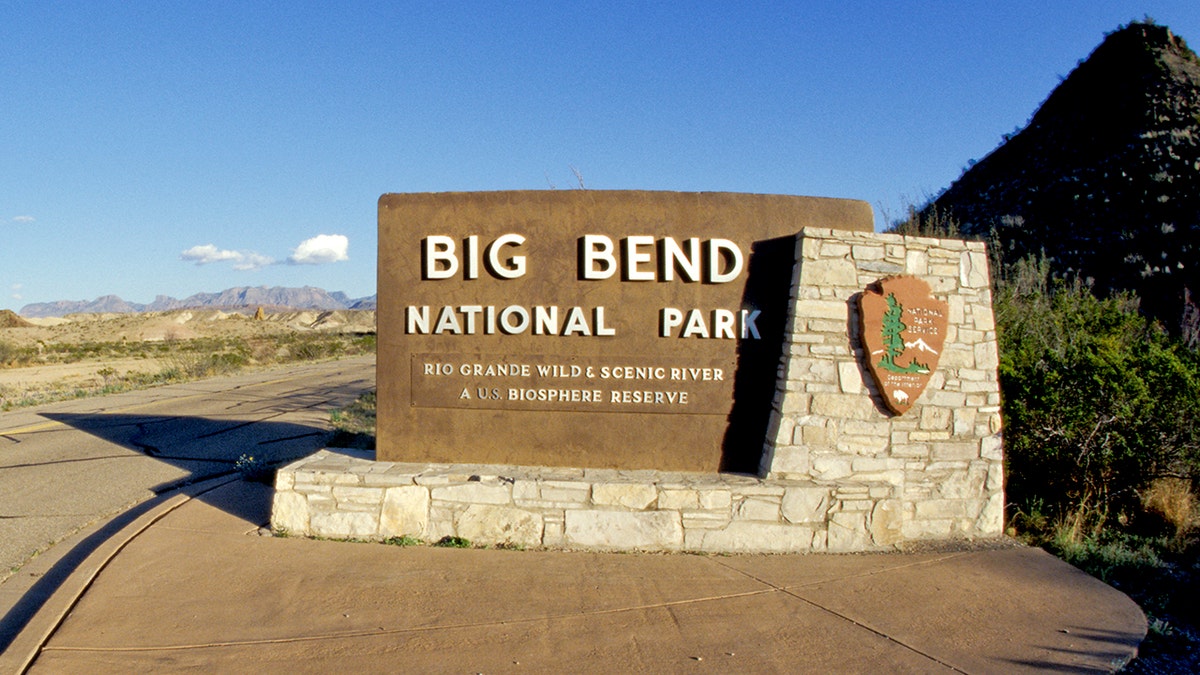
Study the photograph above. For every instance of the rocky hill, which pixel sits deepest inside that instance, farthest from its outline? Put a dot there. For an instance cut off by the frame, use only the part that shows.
(10, 320)
(275, 298)
(1105, 179)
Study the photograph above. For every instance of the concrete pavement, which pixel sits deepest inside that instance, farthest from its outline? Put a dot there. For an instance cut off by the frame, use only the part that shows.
(66, 464)
(190, 582)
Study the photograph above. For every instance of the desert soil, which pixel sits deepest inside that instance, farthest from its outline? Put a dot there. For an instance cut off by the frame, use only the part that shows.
(80, 329)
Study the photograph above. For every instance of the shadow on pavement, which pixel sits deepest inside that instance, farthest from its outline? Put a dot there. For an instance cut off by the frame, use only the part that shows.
(1113, 645)
(204, 448)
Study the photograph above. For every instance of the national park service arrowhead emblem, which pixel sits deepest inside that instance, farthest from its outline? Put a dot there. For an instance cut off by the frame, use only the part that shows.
(903, 331)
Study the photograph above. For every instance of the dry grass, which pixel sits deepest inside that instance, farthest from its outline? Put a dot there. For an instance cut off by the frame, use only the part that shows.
(1172, 500)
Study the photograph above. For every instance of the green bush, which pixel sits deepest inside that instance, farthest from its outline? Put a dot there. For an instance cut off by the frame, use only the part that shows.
(1098, 401)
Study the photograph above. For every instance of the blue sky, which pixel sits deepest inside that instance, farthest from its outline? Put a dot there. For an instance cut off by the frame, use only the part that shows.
(181, 147)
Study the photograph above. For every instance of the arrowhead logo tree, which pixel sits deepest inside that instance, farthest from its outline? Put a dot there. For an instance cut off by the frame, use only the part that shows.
(903, 330)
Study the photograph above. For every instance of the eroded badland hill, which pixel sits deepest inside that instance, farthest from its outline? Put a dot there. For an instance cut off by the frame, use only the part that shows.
(1105, 178)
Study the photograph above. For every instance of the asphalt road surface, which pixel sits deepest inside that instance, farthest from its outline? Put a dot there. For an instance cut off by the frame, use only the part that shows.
(65, 465)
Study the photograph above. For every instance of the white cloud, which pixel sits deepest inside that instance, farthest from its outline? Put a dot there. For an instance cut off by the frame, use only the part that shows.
(16, 291)
(323, 248)
(202, 255)
(251, 261)
(242, 260)
(24, 219)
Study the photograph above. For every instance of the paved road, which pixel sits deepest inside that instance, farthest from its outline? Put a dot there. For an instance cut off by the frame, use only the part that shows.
(68, 464)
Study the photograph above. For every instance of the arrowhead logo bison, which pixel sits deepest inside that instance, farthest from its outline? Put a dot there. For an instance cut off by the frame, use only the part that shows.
(903, 331)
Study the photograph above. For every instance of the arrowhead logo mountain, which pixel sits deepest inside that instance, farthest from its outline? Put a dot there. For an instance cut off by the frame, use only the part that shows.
(903, 331)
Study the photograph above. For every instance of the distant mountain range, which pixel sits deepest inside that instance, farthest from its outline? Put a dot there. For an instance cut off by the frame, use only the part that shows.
(276, 297)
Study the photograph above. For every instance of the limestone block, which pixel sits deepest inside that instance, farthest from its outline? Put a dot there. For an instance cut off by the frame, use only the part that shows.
(872, 270)
(916, 263)
(964, 422)
(984, 317)
(805, 504)
(845, 406)
(819, 540)
(822, 309)
(357, 498)
(790, 459)
(833, 467)
(995, 479)
(928, 529)
(284, 481)
(752, 537)
(635, 496)
(715, 499)
(344, 524)
(757, 508)
(754, 487)
(677, 499)
(473, 493)
(782, 428)
(405, 512)
(935, 509)
(813, 431)
(837, 348)
(850, 378)
(991, 518)
(826, 326)
(565, 492)
(934, 418)
(847, 531)
(863, 445)
(704, 521)
(650, 530)
(955, 451)
(945, 399)
(384, 479)
(964, 484)
(973, 269)
(987, 355)
(289, 513)
(441, 524)
(831, 249)
(862, 252)
(829, 271)
(878, 428)
(887, 522)
(811, 370)
(552, 533)
(969, 337)
(490, 524)
(523, 489)
(872, 464)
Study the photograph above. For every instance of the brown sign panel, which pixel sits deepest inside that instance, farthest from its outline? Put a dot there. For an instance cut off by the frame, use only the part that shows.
(903, 331)
(624, 329)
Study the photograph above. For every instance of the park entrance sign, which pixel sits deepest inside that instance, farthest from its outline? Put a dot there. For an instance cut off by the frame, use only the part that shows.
(670, 372)
(624, 329)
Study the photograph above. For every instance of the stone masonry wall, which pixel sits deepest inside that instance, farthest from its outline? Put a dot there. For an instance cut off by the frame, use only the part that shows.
(934, 472)
(839, 472)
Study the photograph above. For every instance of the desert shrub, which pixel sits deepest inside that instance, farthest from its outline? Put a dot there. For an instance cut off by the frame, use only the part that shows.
(927, 222)
(1098, 401)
